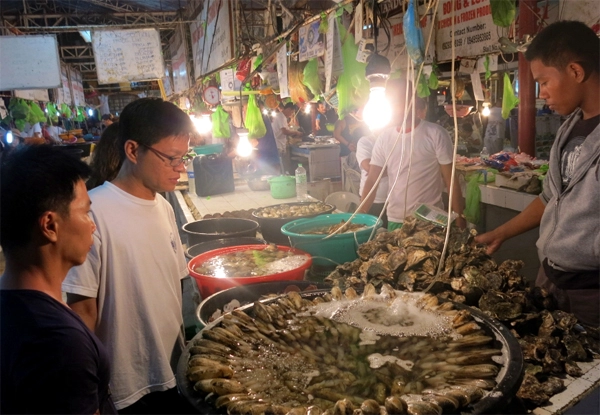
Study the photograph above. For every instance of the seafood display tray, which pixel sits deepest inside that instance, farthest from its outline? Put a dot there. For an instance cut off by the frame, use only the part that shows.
(508, 380)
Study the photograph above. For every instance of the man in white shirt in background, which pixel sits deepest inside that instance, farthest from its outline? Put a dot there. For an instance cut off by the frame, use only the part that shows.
(282, 131)
(129, 289)
(364, 150)
(422, 161)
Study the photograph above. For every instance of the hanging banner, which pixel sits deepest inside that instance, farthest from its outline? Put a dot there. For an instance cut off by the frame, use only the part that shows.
(311, 41)
(334, 64)
(77, 87)
(212, 41)
(181, 81)
(64, 92)
(229, 82)
(396, 52)
(32, 94)
(477, 87)
(586, 11)
(358, 22)
(474, 30)
(282, 71)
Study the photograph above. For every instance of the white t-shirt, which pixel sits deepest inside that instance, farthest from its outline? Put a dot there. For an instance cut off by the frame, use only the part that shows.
(279, 122)
(134, 270)
(54, 131)
(431, 146)
(364, 149)
(31, 130)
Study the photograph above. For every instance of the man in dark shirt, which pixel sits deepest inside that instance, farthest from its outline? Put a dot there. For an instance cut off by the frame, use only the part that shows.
(321, 121)
(50, 361)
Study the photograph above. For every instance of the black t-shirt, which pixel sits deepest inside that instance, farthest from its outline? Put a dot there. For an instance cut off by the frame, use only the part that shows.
(50, 361)
(572, 148)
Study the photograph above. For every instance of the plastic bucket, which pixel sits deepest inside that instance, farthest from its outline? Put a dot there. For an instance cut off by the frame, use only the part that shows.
(283, 187)
(203, 247)
(208, 285)
(270, 228)
(337, 249)
(219, 228)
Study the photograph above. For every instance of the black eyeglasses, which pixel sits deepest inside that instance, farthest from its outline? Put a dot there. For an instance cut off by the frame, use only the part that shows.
(173, 161)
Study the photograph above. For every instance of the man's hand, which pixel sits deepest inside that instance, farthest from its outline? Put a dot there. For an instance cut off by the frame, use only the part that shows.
(492, 239)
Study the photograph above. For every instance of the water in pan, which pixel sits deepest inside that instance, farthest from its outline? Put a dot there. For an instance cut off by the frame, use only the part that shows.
(288, 359)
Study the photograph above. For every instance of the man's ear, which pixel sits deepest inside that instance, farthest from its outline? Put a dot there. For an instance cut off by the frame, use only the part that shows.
(48, 225)
(131, 150)
(578, 72)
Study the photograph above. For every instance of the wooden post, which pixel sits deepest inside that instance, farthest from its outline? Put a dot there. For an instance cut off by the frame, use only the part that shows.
(527, 111)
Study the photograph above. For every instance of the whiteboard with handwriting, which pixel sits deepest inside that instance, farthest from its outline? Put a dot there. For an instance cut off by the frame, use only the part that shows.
(29, 62)
(127, 55)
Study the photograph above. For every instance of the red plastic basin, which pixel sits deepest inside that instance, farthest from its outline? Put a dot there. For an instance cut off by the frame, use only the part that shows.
(208, 285)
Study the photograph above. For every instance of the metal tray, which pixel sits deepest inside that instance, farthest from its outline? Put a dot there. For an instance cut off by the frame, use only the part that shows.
(508, 380)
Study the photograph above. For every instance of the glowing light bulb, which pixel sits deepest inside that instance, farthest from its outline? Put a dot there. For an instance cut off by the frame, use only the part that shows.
(378, 112)
(307, 108)
(273, 113)
(9, 137)
(266, 111)
(244, 148)
(46, 110)
(203, 123)
(486, 110)
(90, 112)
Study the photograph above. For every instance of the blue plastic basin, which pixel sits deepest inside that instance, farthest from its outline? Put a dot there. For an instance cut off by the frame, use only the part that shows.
(335, 250)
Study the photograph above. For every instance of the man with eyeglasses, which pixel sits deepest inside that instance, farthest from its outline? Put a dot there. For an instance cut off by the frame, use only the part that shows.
(129, 289)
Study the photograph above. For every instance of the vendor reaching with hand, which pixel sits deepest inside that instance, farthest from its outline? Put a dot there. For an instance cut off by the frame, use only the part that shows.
(565, 60)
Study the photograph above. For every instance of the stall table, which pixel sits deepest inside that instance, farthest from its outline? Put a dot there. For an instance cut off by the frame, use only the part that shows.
(323, 159)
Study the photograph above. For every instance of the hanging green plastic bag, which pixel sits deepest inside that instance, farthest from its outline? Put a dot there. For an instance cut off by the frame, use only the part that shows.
(472, 199)
(52, 112)
(352, 87)
(486, 64)
(509, 99)
(80, 117)
(423, 86)
(311, 77)
(220, 123)
(254, 120)
(19, 111)
(433, 80)
(65, 111)
(37, 113)
(503, 12)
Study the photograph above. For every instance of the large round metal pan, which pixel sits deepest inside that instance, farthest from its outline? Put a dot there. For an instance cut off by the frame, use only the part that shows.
(508, 380)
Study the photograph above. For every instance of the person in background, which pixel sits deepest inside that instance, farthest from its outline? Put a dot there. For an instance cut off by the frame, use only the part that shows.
(321, 121)
(427, 156)
(282, 131)
(129, 289)
(471, 137)
(106, 158)
(45, 230)
(267, 153)
(493, 139)
(565, 62)
(54, 129)
(107, 119)
(364, 149)
(348, 131)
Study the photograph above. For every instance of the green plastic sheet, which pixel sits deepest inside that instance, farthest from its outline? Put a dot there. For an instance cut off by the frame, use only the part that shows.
(472, 199)
(220, 123)
(509, 99)
(311, 77)
(352, 86)
(503, 12)
(254, 120)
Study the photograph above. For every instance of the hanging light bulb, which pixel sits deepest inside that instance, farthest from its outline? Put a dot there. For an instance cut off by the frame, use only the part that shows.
(378, 112)
(9, 137)
(266, 111)
(244, 148)
(307, 108)
(273, 113)
(46, 110)
(486, 109)
(202, 123)
(90, 112)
